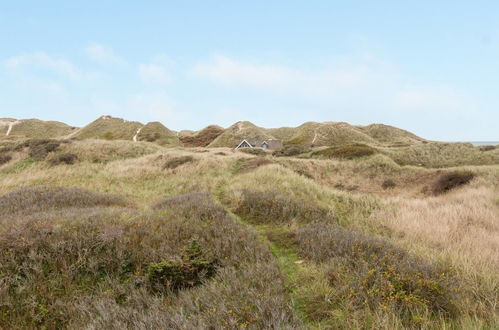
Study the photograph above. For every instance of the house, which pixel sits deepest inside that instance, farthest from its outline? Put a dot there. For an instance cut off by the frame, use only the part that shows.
(270, 144)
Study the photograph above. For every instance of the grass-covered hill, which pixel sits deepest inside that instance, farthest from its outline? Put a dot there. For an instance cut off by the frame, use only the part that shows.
(157, 133)
(338, 133)
(13, 129)
(233, 135)
(102, 234)
(109, 128)
(202, 138)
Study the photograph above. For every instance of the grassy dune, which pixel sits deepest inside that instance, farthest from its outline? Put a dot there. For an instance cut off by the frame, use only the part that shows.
(136, 235)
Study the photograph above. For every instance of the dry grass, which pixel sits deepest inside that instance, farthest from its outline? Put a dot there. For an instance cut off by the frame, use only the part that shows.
(373, 273)
(177, 161)
(346, 152)
(79, 264)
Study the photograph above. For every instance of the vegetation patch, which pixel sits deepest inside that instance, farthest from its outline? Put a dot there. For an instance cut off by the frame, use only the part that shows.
(253, 151)
(65, 158)
(346, 152)
(451, 180)
(42, 198)
(202, 138)
(248, 165)
(196, 204)
(177, 161)
(291, 150)
(487, 148)
(5, 158)
(174, 275)
(40, 148)
(374, 274)
(388, 184)
(267, 207)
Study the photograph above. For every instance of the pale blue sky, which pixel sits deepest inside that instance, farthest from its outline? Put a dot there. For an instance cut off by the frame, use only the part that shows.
(431, 67)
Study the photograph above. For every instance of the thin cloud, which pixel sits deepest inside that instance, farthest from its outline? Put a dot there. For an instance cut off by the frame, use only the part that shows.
(154, 74)
(43, 60)
(103, 55)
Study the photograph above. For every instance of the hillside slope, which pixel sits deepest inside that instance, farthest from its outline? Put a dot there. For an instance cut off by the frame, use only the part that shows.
(202, 138)
(233, 135)
(157, 133)
(109, 128)
(32, 129)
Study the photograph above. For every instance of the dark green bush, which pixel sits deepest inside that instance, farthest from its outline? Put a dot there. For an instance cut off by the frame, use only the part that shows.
(388, 184)
(177, 161)
(174, 275)
(291, 150)
(40, 148)
(451, 180)
(346, 152)
(376, 274)
(487, 148)
(66, 158)
(253, 151)
(272, 207)
(249, 164)
(5, 158)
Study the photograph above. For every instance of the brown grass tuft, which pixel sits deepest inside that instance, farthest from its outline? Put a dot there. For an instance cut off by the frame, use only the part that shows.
(451, 180)
(66, 158)
(177, 161)
(249, 164)
(5, 158)
(42, 198)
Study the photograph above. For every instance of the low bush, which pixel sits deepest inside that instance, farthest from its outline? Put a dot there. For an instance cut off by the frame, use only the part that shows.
(346, 152)
(266, 207)
(40, 148)
(66, 158)
(487, 148)
(388, 184)
(451, 180)
(5, 158)
(174, 275)
(375, 274)
(291, 150)
(195, 204)
(253, 151)
(42, 198)
(177, 161)
(250, 164)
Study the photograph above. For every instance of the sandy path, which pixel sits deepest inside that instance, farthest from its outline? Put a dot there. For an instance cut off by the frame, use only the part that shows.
(137, 134)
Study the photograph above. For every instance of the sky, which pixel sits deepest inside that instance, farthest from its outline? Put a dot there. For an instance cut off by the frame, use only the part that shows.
(430, 67)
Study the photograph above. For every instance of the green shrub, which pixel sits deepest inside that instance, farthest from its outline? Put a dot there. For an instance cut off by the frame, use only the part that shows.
(253, 151)
(388, 184)
(174, 275)
(66, 158)
(249, 164)
(291, 150)
(451, 180)
(346, 152)
(375, 274)
(271, 207)
(487, 148)
(177, 161)
(40, 148)
(5, 158)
